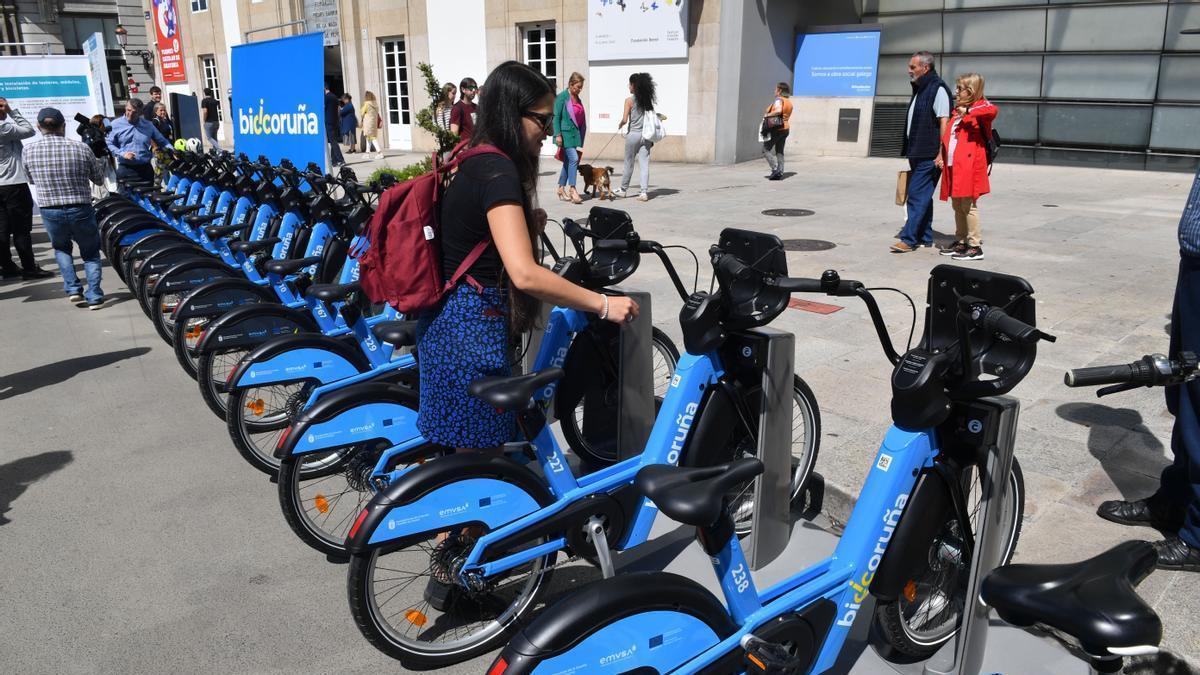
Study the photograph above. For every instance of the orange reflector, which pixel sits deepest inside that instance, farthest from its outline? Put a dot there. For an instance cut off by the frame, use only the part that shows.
(257, 406)
(910, 591)
(416, 618)
(322, 503)
(194, 332)
(357, 522)
(757, 662)
(498, 667)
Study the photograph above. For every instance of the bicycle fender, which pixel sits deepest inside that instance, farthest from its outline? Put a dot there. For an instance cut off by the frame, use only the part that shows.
(253, 325)
(654, 620)
(908, 552)
(370, 412)
(132, 235)
(163, 259)
(221, 295)
(288, 358)
(189, 274)
(457, 490)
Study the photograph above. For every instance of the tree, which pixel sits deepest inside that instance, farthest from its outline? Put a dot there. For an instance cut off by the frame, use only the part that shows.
(446, 139)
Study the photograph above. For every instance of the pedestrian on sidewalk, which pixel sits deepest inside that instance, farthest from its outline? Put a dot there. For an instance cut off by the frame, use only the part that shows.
(637, 106)
(332, 113)
(775, 126)
(210, 115)
(370, 126)
(964, 164)
(130, 143)
(63, 170)
(162, 121)
(928, 120)
(1174, 509)
(443, 106)
(349, 122)
(570, 125)
(16, 204)
(462, 116)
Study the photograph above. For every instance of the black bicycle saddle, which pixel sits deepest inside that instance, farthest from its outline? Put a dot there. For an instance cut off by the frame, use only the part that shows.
(512, 393)
(396, 333)
(694, 496)
(1093, 600)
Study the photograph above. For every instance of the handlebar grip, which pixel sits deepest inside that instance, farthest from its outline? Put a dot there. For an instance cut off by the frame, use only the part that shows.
(997, 320)
(572, 228)
(611, 245)
(1090, 377)
(799, 285)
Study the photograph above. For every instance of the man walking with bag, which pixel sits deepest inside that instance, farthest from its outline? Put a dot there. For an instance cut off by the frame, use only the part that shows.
(63, 170)
(928, 117)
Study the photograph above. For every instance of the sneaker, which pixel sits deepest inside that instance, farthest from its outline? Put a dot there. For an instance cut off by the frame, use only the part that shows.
(96, 304)
(971, 253)
(619, 192)
(901, 247)
(953, 249)
(775, 176)
(77, 296)
(36, 273)
(643, 197)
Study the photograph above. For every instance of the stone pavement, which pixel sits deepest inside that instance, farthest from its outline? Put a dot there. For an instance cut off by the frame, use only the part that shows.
(138, 539)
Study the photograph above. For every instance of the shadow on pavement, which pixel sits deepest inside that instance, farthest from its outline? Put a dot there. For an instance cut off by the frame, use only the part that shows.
(47, 289)
(18, 475)
(662, 192)
(1100, 421)
(15, 384)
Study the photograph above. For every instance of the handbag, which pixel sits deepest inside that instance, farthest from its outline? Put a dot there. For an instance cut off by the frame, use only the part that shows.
(771, 123)
(653, 129)
(562, 157)
(902, 179)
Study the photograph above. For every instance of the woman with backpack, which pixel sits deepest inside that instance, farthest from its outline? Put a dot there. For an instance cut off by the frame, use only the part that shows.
(964, 163)
(637, 107)
(489, 225)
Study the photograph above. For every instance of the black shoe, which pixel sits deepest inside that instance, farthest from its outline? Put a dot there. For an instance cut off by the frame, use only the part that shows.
(36, 273)
(1175, 554)
(775, 176)
(1152, 512)
(969, 253)
(11, 274)
(953, 249)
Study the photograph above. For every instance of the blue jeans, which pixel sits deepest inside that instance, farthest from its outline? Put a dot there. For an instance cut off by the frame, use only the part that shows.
(1181, 480)
(210, 132)
(77, 223)
(918, 229)
(570, 167)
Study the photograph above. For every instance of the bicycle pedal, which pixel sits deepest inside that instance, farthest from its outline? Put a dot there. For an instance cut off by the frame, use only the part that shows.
(768, 658)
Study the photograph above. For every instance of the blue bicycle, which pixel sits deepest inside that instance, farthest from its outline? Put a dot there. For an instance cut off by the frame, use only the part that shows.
(979, 343)
(452, 555)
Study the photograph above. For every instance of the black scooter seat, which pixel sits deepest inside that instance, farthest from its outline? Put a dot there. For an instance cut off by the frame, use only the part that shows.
(218, 231)
(253, 246)
(694, 496)
(167, 199)
(396, 333)
(202, 218)
(1093, 600)
(512, 393)
(181, 210)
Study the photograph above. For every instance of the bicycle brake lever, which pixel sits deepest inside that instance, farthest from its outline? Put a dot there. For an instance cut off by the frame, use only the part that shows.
(1116, 389)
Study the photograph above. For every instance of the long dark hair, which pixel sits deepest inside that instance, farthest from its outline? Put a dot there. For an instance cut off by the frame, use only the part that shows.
(643, 91)
(513, 88)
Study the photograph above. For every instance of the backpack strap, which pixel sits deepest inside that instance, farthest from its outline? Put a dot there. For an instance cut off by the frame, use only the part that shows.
(461, 271)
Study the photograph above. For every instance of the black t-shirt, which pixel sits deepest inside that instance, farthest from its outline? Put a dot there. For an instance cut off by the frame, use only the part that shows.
(210, 105)
(481, 183)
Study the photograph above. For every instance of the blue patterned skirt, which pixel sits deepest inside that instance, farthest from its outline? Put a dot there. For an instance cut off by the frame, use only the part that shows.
(462, 341)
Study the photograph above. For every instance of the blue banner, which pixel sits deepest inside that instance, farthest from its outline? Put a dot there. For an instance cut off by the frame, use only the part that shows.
(279, 99)
(836, 64)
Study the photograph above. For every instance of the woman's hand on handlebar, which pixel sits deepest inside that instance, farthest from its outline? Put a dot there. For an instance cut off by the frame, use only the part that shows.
(620, 309)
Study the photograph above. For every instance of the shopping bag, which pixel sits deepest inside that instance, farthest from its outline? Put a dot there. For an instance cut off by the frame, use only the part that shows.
(902, 179)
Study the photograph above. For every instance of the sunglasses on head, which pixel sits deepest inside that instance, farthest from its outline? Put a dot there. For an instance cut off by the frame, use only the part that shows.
(546, 121)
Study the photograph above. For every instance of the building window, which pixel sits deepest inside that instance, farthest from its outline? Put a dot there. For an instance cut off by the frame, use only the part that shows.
(540, 49)
(395, 79)
(199, 6)
(77, 28)
(208, 72)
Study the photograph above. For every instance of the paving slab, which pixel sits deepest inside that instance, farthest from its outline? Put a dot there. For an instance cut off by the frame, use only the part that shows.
(135, 539)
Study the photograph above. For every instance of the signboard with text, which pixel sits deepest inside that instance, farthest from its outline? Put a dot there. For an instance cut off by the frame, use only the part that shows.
(279, 97)
(836, 64)
(322, 15)
(170, 46)
(93, 49)
(637, 29)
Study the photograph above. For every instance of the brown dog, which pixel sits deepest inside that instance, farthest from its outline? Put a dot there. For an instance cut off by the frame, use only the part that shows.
(598, 179)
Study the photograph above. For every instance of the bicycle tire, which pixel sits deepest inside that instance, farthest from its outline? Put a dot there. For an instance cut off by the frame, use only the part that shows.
(889, 618)
(259, 453)
(181, 343)
(212, 389)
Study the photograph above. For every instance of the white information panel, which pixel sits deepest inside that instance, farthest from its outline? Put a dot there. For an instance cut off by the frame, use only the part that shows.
(637, 29)
(607, 88)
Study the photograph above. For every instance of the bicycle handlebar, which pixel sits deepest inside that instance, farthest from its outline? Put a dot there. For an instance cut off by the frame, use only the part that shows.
(832, 284)
(1149, 371)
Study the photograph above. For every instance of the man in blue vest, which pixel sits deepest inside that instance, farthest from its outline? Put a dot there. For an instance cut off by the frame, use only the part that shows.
(928, 115)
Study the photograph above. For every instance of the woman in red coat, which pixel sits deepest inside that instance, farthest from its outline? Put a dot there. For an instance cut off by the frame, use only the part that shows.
(963, 161)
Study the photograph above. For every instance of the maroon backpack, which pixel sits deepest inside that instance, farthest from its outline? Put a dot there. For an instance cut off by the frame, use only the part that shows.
(402, 261)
